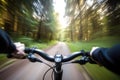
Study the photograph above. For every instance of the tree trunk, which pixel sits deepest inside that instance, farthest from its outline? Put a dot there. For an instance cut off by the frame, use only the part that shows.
(15, 23)
(71, 33)
(39, 31)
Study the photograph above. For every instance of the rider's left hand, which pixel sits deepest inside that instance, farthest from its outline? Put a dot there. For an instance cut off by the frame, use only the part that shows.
(19, 53)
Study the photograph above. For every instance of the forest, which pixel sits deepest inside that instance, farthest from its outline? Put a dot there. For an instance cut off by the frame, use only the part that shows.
(31, 18)
(92, 19)
(87, 19)
(89, 23)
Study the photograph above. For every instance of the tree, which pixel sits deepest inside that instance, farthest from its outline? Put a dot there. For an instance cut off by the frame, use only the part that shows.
(98, 18)
(34, 17)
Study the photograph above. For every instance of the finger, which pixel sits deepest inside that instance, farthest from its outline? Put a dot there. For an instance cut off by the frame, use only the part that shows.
(93, 49)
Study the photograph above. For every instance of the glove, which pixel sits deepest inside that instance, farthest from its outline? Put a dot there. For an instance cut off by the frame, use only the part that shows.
(93, 49)
(94, 53)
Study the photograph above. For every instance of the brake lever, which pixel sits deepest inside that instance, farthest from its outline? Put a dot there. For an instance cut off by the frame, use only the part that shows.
(82, 61)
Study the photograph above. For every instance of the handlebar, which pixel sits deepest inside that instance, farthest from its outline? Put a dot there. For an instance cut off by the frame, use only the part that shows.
(40, 53)
(52, 58)
(58, 59)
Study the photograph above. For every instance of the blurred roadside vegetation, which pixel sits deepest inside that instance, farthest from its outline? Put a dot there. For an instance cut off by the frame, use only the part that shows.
(91, 19)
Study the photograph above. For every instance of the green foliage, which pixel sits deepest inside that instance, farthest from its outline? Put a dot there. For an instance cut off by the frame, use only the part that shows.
(100, 42)
(26, 40)
(29, 42)
(100, 73)
(3, 58)
(32, 18)
(95, 71)
(42, 45)
(96, 20)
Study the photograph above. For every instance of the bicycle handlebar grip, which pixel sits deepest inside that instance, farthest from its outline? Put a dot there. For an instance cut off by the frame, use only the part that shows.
(27, 50)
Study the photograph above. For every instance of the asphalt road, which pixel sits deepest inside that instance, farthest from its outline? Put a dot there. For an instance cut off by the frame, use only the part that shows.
(25, 70)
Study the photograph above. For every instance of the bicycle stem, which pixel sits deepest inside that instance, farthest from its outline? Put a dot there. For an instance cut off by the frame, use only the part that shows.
(58, 70)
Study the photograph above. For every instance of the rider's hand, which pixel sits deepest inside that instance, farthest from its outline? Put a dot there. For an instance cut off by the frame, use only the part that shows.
(19, 53)
(95, 51)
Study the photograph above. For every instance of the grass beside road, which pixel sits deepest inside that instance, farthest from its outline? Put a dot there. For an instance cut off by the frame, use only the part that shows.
(29, 42)
(3, 58)
(95, 71)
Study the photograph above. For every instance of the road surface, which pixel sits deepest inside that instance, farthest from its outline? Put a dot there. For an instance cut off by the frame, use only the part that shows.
(25, 70)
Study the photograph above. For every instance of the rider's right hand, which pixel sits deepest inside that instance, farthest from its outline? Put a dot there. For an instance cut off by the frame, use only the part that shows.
(93, 53)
